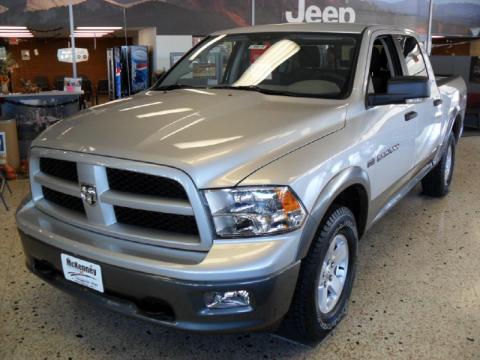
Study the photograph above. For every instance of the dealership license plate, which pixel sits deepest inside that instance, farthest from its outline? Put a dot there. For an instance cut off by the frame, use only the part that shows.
(82, 272)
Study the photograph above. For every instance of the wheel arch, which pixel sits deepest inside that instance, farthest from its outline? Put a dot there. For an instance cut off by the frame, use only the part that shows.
(457, 127)
(351, 187)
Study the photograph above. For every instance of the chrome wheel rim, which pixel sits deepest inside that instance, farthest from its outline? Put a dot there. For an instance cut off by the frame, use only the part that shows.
(333, 274)
(448, 165)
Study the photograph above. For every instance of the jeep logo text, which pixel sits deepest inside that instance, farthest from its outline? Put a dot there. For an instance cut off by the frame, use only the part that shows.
(313, 13)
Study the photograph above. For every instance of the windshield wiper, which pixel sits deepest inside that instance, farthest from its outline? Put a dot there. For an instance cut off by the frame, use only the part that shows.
(175, 87)
(256, 88)
(231, 87)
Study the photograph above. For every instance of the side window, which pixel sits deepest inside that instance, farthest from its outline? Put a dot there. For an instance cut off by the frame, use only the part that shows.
(412, 54)
(382, 65)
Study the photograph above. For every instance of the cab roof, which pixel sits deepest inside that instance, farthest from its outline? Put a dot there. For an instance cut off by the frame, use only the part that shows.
(346, 28)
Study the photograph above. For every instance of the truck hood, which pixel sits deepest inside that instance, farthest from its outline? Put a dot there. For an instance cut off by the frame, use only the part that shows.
(218, 137)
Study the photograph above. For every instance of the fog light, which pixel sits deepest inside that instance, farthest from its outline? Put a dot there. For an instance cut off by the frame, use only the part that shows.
(227, 300)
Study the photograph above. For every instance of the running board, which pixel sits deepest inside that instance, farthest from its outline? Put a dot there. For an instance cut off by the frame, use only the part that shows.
(403, 191)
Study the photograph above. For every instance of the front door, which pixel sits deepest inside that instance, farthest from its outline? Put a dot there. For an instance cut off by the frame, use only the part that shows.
(392, 130)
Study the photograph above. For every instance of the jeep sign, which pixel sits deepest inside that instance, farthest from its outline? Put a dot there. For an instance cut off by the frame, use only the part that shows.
(313, 13)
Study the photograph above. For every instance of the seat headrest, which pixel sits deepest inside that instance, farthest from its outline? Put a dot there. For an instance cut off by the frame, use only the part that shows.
(309, 57)
(351, 53)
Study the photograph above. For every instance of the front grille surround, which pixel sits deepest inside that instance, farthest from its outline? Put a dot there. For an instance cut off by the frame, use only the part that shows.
(191, 213)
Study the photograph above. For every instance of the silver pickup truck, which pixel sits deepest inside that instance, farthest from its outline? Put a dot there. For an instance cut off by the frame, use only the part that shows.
(234, 192)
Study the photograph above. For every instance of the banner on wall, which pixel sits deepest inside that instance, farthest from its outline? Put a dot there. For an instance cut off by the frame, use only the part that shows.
(201, 17)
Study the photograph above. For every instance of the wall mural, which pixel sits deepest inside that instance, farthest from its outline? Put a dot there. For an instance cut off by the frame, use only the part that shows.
(200, 17)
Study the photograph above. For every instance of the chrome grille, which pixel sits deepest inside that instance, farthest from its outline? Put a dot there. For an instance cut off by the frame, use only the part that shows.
(62, 169)
(69, 202)
(145, 184)
(156, 220)
(150, 204)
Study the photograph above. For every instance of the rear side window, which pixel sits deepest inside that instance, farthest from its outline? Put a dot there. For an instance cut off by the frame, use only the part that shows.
(415, 64)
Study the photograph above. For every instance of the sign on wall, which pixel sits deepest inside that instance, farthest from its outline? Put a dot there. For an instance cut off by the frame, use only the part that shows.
(314, 13)
(66, 55)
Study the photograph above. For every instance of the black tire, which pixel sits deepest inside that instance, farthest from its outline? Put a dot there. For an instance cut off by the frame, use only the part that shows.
(305, 315)
(437, 183)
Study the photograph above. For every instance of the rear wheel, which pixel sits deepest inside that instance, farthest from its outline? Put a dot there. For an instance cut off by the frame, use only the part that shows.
(438, 180)
(326, 277)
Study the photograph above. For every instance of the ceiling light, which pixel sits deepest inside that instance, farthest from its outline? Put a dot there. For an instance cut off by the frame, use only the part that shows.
(99, 28)
(94, 31)
(15, 35)
(15, 31)
(13, 28)
(91, 34)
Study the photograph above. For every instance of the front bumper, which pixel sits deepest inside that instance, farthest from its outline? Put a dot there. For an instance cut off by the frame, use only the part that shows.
(171, 302)
(167, 300)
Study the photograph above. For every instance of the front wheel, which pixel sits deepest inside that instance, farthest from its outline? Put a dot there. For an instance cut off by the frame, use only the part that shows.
(326, 277)
(438, 180)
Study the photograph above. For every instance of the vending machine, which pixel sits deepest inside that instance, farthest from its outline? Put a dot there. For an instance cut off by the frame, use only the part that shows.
(128, 70)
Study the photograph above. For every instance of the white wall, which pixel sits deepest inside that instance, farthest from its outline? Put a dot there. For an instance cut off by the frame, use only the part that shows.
(166, 44)
(454, 65)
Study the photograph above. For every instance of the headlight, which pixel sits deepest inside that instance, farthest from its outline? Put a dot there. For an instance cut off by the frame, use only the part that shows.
(254, 211)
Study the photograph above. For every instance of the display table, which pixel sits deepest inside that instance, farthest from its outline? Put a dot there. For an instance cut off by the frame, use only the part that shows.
(35, 112)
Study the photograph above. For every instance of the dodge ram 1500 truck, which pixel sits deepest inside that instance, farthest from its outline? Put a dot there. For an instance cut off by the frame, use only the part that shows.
(234, 191)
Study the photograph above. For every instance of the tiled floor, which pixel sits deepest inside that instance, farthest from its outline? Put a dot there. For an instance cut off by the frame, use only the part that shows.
(416, 296)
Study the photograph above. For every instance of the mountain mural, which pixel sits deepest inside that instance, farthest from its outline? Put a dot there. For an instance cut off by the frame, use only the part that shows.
(200, 17)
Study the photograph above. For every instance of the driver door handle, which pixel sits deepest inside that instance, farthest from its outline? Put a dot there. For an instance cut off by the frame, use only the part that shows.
(410, 115)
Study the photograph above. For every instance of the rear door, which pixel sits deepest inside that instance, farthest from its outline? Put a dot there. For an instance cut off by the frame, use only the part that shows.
(426, 113)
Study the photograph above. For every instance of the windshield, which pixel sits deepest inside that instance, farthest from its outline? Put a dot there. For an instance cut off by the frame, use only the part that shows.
(319, 65)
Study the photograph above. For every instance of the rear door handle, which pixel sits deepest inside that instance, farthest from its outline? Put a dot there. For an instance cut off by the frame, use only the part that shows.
(410, 115)
(437, 102)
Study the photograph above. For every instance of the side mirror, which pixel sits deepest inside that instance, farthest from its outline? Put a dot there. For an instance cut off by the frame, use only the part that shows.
(400, 89)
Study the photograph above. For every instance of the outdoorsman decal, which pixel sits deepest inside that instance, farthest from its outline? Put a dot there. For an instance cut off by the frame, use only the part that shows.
(382, 155)
(313, 13)
(387, 152)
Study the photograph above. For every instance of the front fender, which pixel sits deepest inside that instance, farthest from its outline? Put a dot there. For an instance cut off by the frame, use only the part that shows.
(340, 182)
